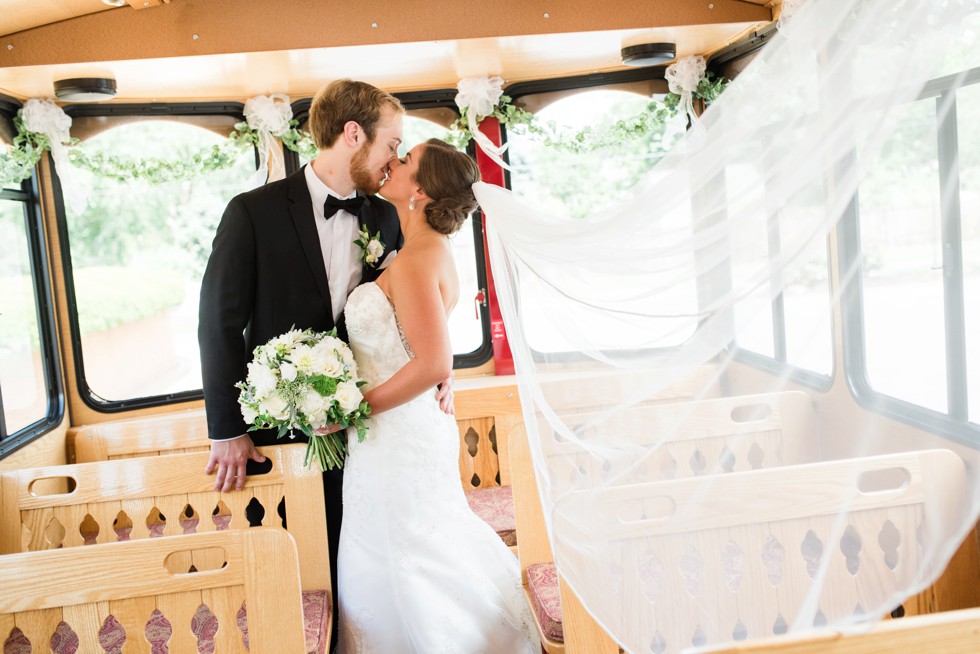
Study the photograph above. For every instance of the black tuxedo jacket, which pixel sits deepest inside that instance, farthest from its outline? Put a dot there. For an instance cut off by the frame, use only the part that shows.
(265, 276)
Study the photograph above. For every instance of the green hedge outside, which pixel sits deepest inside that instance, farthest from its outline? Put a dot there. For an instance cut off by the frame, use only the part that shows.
(106, 296)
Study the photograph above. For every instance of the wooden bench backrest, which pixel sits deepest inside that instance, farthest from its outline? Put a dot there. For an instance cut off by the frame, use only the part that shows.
(166, 433)
(103, 592)
(111, 497)
(586, 391)
(753, 517)
(484, 416)
(950, 632)
(687, 439)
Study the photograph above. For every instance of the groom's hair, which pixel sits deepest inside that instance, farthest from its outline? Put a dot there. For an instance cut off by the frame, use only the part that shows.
(342, 101)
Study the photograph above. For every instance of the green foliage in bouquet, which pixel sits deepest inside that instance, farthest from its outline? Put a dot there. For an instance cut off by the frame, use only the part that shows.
(306, 381)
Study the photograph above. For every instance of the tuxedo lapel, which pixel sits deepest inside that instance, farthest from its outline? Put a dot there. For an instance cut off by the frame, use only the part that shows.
(301, 210)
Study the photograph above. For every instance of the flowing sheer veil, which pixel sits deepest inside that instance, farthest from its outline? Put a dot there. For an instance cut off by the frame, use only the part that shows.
(682, 514)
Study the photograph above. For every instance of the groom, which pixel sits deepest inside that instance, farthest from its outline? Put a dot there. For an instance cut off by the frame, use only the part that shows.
(284, 256)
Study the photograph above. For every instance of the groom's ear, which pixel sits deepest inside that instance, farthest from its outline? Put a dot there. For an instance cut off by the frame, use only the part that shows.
(353, 134)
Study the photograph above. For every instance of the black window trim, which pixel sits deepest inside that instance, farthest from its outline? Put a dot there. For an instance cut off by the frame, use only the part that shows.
(41, 275)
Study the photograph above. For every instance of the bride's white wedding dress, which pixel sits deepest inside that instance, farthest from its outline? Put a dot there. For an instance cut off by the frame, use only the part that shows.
(417, 570)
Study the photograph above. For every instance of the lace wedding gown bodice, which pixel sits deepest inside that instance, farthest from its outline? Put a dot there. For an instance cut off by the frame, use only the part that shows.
(418, 571)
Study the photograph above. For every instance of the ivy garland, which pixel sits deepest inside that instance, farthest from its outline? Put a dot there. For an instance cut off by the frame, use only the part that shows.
(18, 164)
(655, 116)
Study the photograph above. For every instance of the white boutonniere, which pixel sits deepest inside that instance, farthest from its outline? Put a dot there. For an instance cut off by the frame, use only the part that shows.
(372, 247)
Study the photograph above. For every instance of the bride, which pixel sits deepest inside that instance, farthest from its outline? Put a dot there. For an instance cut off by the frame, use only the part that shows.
(417, 570)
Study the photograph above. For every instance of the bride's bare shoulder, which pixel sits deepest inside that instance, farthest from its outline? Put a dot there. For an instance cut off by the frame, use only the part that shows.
(427, 252)
(423, 262)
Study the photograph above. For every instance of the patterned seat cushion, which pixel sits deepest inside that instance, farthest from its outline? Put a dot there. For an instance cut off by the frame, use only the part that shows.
(495, 506)
(542, 585)
(316, 620)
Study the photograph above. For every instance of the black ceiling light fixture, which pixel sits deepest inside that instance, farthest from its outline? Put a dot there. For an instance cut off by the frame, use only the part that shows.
(648, 54)
(85, 89)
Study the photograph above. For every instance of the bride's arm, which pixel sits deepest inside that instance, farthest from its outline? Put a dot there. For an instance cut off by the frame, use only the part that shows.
(418, 301)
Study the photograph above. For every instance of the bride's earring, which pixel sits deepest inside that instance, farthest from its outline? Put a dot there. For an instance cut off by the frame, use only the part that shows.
(411, 203)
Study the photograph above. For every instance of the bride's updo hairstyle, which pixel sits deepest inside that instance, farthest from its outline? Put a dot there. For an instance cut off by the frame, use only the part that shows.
(447, 177)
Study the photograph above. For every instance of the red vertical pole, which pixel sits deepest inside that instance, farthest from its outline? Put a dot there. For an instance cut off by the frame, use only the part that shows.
(503, 360)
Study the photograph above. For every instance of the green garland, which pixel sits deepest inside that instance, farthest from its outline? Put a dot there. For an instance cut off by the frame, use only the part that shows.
(18, 164)
(298, 141)
(655, 116)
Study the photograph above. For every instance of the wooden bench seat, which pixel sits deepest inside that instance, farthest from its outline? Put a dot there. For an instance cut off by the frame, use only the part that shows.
(545, 598)
(495, 506)
(759, 516)
(723, 434)
(150, 497)
(121, 597)
(691, 429)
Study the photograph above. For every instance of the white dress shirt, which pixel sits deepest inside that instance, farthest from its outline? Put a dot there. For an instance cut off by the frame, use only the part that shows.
(337, 237)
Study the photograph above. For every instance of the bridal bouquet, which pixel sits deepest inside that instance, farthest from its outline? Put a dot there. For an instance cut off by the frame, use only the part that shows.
(305, 380)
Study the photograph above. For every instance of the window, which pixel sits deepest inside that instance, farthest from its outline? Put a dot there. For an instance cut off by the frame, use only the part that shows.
(791, 327)
(902, 273)
(919, 292)
(467, 322)
(968, 107)
(570, 186)
(30, 394)
(469, 326)
(136, 255)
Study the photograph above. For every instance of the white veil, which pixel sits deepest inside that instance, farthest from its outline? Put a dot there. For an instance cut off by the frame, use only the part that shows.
(682, 512)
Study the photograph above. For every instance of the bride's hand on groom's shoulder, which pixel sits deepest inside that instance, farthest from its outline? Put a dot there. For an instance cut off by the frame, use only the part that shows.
(444, 395)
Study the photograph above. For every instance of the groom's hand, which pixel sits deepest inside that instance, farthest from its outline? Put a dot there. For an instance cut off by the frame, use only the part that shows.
(229, 458)
(445, 395)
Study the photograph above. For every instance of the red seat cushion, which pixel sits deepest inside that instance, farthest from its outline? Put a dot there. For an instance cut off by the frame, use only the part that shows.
(542, 585)
(495, 506)
(316, 620)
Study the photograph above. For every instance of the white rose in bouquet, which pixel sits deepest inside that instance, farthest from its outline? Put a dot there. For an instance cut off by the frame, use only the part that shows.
(262, 378)
(275, 407)
(349, 396)
(305, 380)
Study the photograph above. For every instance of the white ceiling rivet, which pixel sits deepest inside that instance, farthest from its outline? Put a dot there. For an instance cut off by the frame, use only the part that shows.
(547, 15)
(374, 25)
(195, 37)
(10, 46)
(711, 6)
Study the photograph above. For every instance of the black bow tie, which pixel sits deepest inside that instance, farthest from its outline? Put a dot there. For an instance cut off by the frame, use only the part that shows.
(334, 204)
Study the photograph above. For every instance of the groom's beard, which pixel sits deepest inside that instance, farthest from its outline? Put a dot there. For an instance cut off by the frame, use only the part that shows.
(364, 180)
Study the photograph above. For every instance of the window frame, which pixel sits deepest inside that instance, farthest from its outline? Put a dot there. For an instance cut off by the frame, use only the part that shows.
(29, 195)
(954, 423)
(577, 83)
(777, 365)
(434, 99)
(91, 400)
